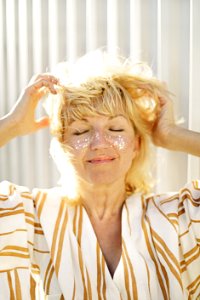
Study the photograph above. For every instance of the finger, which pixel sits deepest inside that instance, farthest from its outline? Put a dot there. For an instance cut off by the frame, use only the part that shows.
(41, 93)
(162, 101)
(42, 83)
(49, 77)
(45, 76)
(42, 123)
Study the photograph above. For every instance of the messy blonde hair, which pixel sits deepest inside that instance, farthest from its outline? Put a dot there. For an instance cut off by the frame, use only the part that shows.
(114, 86)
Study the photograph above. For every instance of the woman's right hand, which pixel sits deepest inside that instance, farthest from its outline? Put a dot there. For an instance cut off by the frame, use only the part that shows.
(23, 113)
(21, 119)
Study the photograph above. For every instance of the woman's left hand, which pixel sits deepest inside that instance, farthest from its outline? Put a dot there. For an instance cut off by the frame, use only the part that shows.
(164, 124)
(167, 134)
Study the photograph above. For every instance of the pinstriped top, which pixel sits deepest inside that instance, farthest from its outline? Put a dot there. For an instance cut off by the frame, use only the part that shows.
(46, 243)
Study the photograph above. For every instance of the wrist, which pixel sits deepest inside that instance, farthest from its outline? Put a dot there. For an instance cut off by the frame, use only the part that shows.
(173, 137)
(164, 137)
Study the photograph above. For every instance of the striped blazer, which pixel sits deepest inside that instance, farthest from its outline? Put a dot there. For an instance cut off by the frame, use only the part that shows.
(48, 249)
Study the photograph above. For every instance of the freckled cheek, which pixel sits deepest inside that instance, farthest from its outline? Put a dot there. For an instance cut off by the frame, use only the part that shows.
(81, 143)
(120, 142)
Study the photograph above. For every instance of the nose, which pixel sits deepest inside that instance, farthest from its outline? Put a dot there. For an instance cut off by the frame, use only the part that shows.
(99, 141)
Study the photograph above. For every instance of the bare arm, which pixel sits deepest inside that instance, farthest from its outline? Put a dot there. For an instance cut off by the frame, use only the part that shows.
(21, 119)
(184, 140)
(7, 130)
(168, 135)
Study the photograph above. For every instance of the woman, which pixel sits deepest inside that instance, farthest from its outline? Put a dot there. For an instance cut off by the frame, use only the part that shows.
(107, 238)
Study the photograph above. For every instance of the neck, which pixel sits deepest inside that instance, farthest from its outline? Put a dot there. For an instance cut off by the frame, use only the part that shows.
(103, 202)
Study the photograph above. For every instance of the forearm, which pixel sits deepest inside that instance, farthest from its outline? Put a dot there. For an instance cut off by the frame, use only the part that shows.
(184, 140)
(7, 130)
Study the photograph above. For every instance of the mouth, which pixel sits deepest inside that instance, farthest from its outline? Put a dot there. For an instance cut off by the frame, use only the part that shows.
(101, 160)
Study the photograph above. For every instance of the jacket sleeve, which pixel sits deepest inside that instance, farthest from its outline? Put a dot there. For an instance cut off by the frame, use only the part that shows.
(24, 255)
(16, 242)
(189, 237)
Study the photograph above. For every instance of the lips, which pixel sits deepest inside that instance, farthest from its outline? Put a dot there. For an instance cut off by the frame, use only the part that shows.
(101, 160)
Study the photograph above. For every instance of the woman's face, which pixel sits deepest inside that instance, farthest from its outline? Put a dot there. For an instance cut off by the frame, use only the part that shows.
(103, 148)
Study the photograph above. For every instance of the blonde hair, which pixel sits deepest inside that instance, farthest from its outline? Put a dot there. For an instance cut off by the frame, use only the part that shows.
(117, 86)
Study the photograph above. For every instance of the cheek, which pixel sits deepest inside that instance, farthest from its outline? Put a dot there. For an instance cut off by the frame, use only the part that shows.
(120, 142)
(80, 143)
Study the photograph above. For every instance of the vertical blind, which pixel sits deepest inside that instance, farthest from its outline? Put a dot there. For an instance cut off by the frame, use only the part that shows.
(37, 34)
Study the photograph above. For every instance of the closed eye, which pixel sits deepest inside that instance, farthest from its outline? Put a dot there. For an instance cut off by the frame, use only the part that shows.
(80, 132)
(116, 130)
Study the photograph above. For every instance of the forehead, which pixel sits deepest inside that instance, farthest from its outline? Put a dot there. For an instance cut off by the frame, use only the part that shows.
(101, 119)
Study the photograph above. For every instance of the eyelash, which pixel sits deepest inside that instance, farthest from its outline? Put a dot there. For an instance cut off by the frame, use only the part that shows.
(116, 130)
(80, 132)
(77, 133)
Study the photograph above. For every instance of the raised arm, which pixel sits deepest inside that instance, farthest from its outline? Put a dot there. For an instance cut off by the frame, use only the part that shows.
(168, 135)
(21, 119)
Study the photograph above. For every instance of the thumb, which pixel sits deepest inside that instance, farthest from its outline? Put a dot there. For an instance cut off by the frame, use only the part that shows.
(42, 123)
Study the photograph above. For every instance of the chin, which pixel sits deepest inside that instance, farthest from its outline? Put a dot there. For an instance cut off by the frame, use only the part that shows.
(102, 175)
(102, 178)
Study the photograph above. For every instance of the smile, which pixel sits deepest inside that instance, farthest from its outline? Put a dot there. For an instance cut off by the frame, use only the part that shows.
(101, 160)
